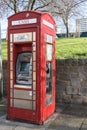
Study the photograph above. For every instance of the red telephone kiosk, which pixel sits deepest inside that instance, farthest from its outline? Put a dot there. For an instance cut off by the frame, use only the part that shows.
(31, 66)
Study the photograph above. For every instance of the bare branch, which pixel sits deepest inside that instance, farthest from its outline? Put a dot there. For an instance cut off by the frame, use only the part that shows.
(42, 6)
(9, 5)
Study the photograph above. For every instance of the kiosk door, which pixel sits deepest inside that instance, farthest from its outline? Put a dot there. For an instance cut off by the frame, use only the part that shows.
(23, 103)
(23, 88)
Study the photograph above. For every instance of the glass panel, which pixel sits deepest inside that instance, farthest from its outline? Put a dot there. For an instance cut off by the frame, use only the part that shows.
(34, 56)
(11, 56)
(48, 78)
(11, 47)
(23, 104)
(23, 37)
(11, 83)
(11, 65)
(10, 102)
(34, 36)
(11, 93)
(34, 43)
(34, 105)
(49, 38)
(34, 85)
(24, 69)
(34, 66)
(10, 37)
(11, 74)
(23, 94)
(49, 52)
(34, 95)
(48, 100)
(34, 75)
(34, 47)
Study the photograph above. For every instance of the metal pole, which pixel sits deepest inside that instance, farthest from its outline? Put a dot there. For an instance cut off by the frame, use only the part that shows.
(1, 75)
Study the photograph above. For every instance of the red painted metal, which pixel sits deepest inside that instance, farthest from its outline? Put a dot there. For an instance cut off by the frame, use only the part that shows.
(43, 25)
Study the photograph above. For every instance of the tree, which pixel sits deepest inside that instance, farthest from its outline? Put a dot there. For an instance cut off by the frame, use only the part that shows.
(15, 6)
(66, 9)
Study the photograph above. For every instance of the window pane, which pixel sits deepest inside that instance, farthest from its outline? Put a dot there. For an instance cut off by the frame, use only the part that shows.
(11, 47)
(34, 85)
(34, 66)
(34, 46)
(11, 102)
(23, 104)
(34, 75)
(11, 65)
(49, 52)
(11, 74)
(11, 83)
(10, 37)
(34, 105)
(48, 77)
(23, 94)
(34, 56)
(11, 56)
(34, 36)
(11, 93)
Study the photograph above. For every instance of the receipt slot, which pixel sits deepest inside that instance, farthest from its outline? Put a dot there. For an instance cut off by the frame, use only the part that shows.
(31, 66)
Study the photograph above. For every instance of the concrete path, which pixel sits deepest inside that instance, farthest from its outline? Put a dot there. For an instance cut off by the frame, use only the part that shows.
(73, 117)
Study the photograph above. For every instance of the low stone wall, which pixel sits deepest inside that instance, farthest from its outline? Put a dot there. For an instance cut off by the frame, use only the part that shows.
(71, 81)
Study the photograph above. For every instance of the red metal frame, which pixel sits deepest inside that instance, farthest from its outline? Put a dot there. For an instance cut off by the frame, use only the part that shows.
(44, 25)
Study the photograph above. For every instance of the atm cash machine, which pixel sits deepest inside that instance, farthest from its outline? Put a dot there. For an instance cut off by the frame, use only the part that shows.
(24, 68)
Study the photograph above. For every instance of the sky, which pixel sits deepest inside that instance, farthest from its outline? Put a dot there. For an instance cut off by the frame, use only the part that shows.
(59, 23)
(3, 23)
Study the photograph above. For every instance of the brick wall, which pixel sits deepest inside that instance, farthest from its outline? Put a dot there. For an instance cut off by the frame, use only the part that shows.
(71, 83)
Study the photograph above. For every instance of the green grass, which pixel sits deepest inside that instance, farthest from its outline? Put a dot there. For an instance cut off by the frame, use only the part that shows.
(66, 48)
(4, 50)
(75, 48)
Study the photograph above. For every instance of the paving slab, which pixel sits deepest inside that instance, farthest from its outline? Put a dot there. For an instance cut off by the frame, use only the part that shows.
(72, 118)
(66, 122)
(3, 107)
(66, 117)
(85, 121)
(6, 127)
(15, 125)
(24, 128)
(62, 128)
(84, 127)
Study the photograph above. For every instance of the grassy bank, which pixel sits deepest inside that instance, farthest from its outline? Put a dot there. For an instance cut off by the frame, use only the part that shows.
(4, 50)
(65, 48)
(75, 48)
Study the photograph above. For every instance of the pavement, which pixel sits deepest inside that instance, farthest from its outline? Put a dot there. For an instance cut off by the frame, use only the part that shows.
(66, 117)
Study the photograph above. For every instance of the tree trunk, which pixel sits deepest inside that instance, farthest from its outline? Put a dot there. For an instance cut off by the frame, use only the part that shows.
(15, 6)
(67, 31)
(65, 21)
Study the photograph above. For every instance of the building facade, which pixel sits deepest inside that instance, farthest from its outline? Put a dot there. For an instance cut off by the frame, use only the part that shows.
(81, 27)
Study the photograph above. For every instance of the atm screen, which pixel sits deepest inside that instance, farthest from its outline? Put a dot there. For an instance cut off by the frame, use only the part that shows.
(24, 68)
